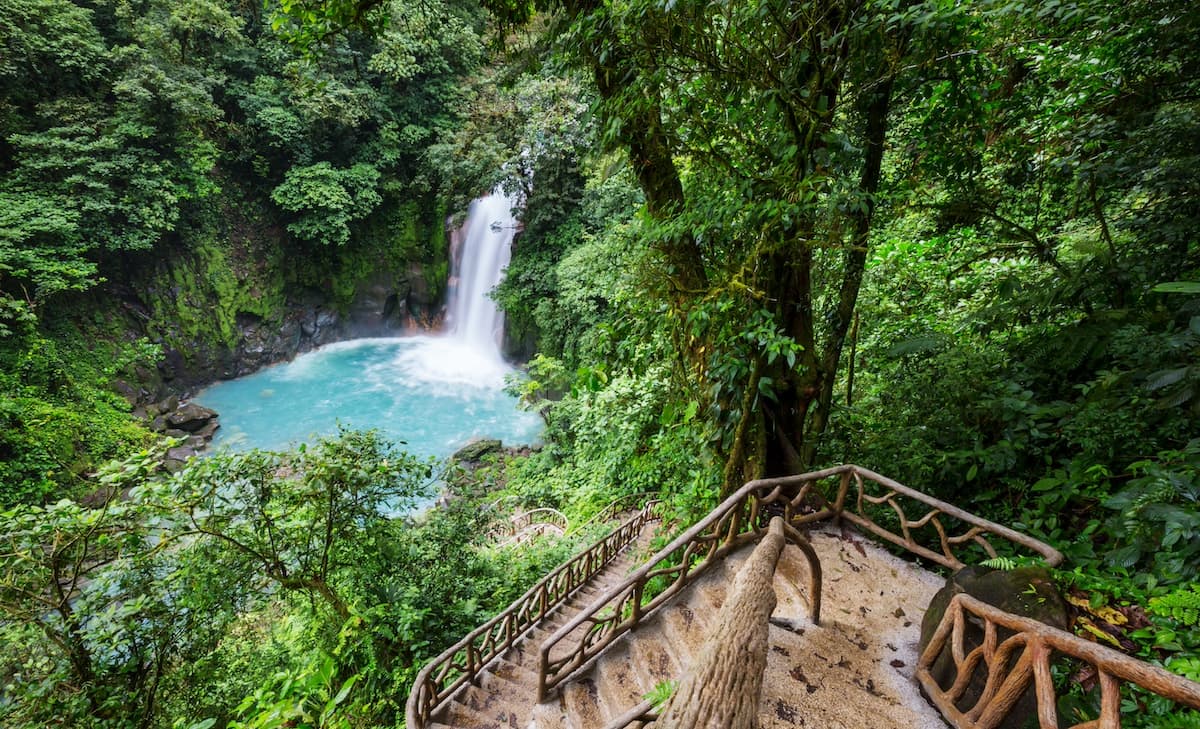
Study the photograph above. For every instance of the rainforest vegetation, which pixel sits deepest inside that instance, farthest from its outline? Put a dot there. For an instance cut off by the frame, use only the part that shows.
(957, 243)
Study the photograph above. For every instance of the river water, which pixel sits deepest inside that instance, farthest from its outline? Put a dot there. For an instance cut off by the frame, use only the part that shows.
(434, 393)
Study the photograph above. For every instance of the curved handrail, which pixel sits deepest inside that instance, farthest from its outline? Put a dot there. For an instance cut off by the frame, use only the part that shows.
(976, 534)
(463, 661)
(732, 524)
(614, 509)
(739, 520)
(509, 529)
(1012, 661)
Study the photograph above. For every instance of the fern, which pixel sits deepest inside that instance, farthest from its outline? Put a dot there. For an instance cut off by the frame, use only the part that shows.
(661, 693)
(1184, 720)
(1182, 605)
(1000, 563)
(1009, 563)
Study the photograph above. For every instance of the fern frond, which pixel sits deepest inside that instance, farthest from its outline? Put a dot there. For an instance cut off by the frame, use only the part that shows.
(1000, 563)
(1182, 605)
(1182, 720)
(1162, 378)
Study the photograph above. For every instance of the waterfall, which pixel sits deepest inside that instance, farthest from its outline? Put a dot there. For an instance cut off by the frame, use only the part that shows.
(468, 358)
(482, 248)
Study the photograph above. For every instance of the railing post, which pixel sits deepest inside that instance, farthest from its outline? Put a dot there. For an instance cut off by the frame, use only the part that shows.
(636, 615)
(543, 668)
(840, 502)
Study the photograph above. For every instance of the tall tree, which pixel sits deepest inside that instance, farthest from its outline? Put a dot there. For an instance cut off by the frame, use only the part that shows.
(757, 133)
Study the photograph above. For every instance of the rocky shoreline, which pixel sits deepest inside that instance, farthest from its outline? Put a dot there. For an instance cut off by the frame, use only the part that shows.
(384, 305)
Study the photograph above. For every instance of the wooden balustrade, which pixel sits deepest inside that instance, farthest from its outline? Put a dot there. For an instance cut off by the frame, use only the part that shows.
(1021, 654)
(739, 520)
(463, 661)
(614, 509)
(528, 524)
(743, 516)
(934, 528)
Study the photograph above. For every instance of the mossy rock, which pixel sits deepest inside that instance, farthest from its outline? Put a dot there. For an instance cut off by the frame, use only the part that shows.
(475, 451)
(1026, 591)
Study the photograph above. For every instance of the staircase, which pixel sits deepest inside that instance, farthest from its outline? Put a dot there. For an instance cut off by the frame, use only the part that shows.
(854, 670)
(859, 648)
(507, 689)
(584, 647)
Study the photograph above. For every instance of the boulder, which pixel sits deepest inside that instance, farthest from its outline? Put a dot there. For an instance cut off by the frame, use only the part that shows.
(167, 405)
(208, 429)
(190, 417)
(1025, 591)
(177, 458)
(127, 391)
(475, 451)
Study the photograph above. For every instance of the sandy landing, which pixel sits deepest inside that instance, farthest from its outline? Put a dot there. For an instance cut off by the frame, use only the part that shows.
(855, 670)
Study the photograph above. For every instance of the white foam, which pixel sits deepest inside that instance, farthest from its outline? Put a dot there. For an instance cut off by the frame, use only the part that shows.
(447, 361)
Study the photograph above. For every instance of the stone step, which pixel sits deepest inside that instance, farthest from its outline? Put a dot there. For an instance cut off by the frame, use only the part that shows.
(617, 679)
(653, 660)
(583, 706)
(461, 716)
(514, 673)
(492, 683)
(505, 695)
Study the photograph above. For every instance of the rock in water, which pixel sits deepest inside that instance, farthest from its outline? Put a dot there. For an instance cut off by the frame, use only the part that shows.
(1025, 591)
(190, 417)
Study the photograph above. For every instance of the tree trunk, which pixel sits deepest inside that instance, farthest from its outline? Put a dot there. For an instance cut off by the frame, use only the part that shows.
(724, 689)
(854, 265)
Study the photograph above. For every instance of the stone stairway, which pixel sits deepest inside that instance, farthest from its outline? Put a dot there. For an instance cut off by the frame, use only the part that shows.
(853, 671)
(506, 693)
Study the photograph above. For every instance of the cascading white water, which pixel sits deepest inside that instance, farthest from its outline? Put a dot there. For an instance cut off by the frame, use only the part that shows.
(483, 252)
(434, 393)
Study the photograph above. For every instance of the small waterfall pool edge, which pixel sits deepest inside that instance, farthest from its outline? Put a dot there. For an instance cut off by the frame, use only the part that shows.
(432, 394)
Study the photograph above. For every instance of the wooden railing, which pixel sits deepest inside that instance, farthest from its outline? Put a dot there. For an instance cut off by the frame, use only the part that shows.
(463, 661)
(614, 509)
(1011, 662)
(739, 520)
(529, 524)
(877, 503)
(742, 517)
(642, 715)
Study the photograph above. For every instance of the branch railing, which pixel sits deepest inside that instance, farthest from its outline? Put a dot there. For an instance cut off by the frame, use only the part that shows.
(1022, 654)
(931, 535)
(614, 509)
(739, 520)
(463, 662)
(860, 496)
(527, 523)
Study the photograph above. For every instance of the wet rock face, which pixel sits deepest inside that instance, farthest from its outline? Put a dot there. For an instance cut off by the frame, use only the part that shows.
(1026, 591)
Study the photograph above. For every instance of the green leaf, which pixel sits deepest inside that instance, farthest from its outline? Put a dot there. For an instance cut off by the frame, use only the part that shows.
(1178, 287)
(1163, 378)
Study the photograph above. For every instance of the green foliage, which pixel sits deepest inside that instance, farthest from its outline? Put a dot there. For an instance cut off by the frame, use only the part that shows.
(110, 608)
(311, 698)
(325, 200)
(59, 419)
(294, 517)
(661, 693)
(1182, 605)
